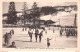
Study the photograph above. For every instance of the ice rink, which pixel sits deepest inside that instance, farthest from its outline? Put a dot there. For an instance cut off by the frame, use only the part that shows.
(22, 39)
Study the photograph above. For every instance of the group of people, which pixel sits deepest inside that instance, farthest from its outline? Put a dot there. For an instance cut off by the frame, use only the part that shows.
(7, 38)
(68, 32)
(37, 34)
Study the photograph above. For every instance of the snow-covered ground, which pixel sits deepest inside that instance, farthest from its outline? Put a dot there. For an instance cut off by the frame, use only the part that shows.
(22, 39)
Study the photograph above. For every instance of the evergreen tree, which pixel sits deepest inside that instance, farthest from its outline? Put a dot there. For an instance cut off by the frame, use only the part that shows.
(12, 17)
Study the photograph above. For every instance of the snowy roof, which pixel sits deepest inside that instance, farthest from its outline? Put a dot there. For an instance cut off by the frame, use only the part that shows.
(66, 18)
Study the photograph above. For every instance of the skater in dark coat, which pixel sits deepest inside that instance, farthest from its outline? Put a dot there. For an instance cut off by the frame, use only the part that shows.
(67, 33)
(40, 36)
(36, 34)
(6, 38)
(48, 42)
(61, 32)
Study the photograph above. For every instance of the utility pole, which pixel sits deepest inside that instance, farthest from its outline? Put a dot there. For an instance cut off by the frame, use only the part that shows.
(75, 21)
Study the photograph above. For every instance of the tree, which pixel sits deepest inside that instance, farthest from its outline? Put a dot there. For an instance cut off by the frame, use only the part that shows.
(35, 14)
(12, 17)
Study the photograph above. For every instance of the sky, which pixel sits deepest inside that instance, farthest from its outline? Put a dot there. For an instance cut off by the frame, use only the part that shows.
(19, 5)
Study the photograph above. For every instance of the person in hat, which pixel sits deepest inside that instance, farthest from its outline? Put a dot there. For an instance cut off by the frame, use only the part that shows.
(13, 45)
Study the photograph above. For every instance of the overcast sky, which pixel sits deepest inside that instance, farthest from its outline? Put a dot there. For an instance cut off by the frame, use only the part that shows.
(19, 5)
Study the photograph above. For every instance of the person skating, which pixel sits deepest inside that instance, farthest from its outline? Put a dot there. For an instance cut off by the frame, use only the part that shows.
(30, 34)
(40, 36)
(53, 30)
(6, 38)
(61, 32)
(48, 42)
(12, 31)
(36, 34)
